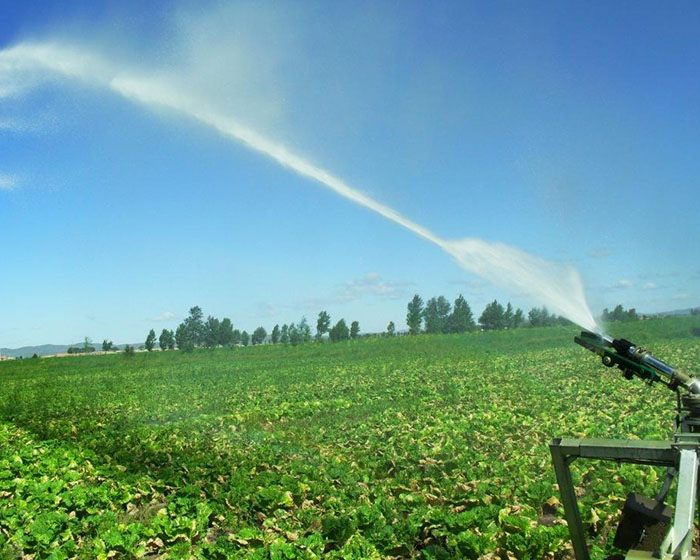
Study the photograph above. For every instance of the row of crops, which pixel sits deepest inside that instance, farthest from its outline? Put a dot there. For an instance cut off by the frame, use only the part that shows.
(416, 447)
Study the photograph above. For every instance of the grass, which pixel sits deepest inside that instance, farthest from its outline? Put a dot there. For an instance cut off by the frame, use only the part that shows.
(423, 447)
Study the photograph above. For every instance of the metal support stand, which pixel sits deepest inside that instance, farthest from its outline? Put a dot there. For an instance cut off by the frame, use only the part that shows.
(681, 454)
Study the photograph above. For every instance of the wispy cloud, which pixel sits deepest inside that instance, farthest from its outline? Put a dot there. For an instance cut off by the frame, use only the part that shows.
(623, 284)
(267, 309)
(165, 316)
(600, 253)
(681, 296)
(371, 284)
(8, 182)
(650, 286)
(473, 287)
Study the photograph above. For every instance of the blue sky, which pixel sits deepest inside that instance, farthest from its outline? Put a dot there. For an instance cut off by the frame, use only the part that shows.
(569, 131)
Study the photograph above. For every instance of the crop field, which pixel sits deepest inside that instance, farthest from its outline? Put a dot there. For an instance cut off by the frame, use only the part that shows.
(410, 447)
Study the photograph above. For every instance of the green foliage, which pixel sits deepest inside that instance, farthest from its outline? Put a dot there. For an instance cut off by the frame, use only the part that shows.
(339, 331)
(150, 340)
(354, 329)
(166, 340)
(275, 336)
(259, 335)
(304, 330)
(619, 314)
(236, 336)
(391, 328)
(107, 345)
(212, 332)
(225, 336)
(322, 324)
(461, 320)
(393, 447)
(191, 330)
(436, 314)
(414, 317)
(245, 338)
(493, 317)
(284, 334)
(540, 317)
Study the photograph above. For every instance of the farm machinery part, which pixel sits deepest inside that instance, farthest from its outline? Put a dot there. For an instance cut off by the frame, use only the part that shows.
(648, 527)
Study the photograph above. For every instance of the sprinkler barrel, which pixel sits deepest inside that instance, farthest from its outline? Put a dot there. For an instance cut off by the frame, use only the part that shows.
(635, 361)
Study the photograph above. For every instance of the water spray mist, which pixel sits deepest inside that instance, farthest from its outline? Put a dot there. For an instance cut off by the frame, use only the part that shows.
(555, 285)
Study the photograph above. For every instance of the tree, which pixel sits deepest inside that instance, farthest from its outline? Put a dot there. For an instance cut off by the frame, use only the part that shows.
(508, 316)
(212, 330)
(339, 331)
(164, 339)
(225, 332)
(245, 338)
(129, 350)
(87, 345)
(518, 318)
(618, 314)
(414, 317)
(436, 312)
(304, 330)
(539, 317)
(259, 335)
(180, 336)
(236, 337)
(150, 340)
(322, 324)
(171, 340)
(107, 345)
(194, 326)
(275, 336)
(284, 334)
(183, 339)
(293, 334)
(391, 328)
(354, 329)
(492, 316)
(461, 320)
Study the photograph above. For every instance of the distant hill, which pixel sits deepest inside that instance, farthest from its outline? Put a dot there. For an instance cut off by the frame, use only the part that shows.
(674, 313)
(51, 349)
(29, 351)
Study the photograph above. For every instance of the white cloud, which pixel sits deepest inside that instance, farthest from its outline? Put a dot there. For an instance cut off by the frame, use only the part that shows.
(650, 286)
(165, 316)
(600, 253)
(267, 309)
(8, 182)
(681, 296)
(371, 284)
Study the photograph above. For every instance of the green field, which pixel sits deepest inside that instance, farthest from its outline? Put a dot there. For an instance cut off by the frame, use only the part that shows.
(412, 447)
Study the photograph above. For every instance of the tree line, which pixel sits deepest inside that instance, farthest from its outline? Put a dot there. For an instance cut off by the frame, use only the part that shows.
(434, 316)
(196, 332)
(437, 316)
(619, 314)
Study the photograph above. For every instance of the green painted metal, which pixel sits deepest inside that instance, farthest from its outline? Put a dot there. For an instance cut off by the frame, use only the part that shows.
(683, 453)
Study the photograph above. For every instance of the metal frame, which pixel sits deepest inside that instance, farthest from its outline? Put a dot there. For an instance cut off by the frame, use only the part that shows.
(681, 454)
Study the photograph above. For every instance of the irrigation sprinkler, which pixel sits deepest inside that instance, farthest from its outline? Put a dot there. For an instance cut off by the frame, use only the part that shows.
(648, 528)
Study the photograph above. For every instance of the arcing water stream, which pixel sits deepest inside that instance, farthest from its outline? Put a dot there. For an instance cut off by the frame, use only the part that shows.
(557, 286)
